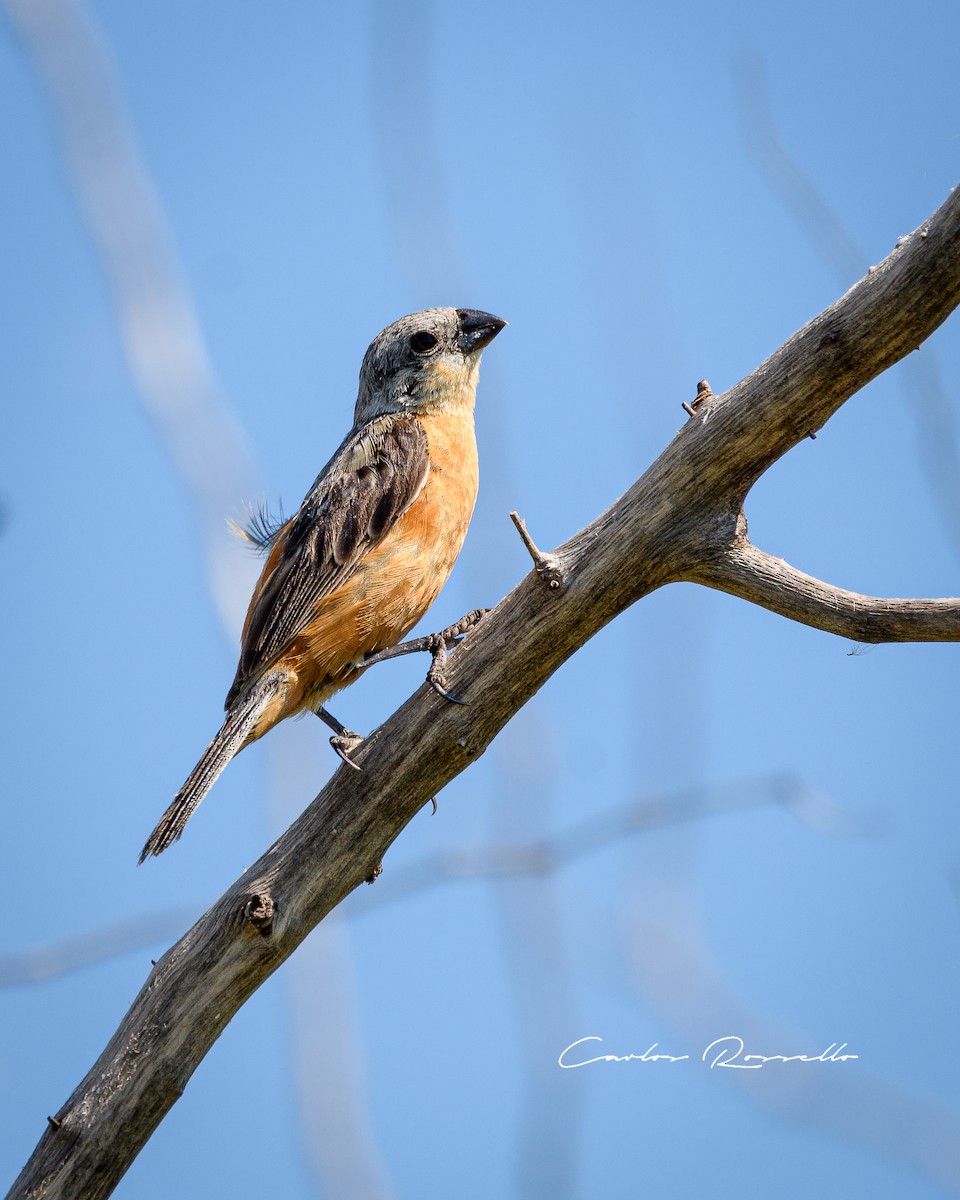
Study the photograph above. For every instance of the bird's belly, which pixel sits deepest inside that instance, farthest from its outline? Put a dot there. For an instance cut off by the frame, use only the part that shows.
(396, 582)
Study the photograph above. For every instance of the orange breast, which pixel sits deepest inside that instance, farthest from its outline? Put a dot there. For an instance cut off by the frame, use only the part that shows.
(395, 583)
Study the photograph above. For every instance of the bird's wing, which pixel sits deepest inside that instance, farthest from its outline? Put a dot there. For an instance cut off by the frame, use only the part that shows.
(368, 484)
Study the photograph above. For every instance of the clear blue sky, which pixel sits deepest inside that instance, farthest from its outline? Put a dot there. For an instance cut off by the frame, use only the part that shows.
(591, 176)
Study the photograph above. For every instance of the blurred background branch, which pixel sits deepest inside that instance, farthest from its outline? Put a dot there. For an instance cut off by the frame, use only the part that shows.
(935, 419)
(162, 338)
(541, 857)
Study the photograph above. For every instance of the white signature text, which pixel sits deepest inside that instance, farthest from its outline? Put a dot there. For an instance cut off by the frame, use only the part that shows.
(729, 1051)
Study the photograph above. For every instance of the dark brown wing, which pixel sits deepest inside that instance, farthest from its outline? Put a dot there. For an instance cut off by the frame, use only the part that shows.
(371, 481)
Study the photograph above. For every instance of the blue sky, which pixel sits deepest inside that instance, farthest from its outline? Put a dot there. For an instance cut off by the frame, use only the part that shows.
(593, 177)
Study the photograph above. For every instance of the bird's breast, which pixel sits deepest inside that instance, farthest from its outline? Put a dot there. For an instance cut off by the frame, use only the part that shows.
(402, 577)
(394, 583)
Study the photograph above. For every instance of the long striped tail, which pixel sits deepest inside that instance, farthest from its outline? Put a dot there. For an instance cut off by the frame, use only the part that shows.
(240, 720)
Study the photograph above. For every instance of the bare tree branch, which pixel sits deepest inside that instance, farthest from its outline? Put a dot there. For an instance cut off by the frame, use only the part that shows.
(683, 512)
(752, 575)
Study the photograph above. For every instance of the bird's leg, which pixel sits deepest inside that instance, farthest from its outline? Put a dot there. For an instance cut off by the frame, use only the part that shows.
(437, 644)
(344, 740)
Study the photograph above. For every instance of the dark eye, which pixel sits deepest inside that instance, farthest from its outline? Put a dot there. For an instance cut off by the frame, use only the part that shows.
(423, 342)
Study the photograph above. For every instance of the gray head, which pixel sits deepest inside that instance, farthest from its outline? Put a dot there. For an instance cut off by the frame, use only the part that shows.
(426, 360)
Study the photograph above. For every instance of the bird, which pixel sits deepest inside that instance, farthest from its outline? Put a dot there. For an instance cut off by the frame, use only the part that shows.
(368, 550)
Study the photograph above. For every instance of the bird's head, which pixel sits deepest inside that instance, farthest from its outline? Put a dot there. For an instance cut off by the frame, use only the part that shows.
(427, 360)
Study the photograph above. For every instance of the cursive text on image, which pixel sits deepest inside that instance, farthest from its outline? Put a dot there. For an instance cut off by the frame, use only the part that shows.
(729, 1051)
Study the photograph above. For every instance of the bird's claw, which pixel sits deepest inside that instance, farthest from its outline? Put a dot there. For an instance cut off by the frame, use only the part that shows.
(435, 677)
(343, 743)
(438, 645)
(437, 682)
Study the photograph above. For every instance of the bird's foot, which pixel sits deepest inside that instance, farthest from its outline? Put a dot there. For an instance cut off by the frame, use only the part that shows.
(437, 645)
(344, 740)
(343, 743)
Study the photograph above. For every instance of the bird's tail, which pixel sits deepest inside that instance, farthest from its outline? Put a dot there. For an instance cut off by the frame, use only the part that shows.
(240, 720)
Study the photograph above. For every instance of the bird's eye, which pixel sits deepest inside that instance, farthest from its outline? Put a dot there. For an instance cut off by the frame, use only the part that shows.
(423, 342)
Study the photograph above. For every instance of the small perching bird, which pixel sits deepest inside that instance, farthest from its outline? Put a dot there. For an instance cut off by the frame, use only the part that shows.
(370, 547)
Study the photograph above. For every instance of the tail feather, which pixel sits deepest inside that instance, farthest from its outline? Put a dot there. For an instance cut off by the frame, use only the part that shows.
(233, 733)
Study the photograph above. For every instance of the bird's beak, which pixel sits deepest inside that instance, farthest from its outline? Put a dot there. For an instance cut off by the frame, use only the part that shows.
(477, 329)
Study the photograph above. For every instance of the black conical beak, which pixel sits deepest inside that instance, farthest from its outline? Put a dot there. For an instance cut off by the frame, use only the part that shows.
(477, 329)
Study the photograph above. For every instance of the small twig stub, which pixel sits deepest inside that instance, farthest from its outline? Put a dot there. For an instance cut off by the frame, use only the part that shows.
(548, 566)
